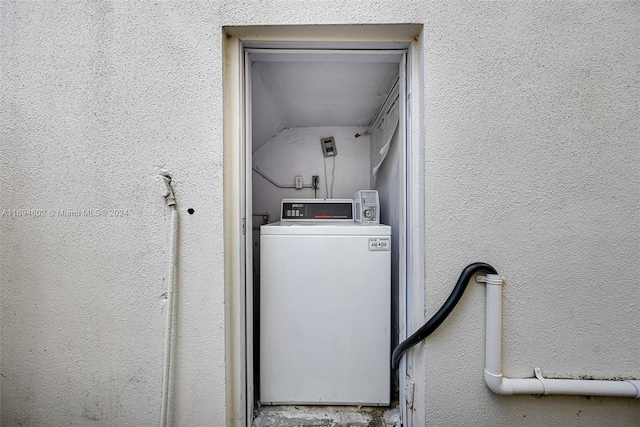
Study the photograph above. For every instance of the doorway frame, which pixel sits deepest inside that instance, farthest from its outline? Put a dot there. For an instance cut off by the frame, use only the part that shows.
(237, 187)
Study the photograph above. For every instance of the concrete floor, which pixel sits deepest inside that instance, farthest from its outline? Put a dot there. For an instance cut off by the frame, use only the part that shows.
(326, 416)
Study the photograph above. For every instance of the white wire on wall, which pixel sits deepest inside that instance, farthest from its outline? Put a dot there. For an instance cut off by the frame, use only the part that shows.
(171, 297)
(329, 189)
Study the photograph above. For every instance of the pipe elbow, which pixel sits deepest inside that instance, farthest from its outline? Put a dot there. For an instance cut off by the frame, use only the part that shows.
(497, 383)
(636, 384)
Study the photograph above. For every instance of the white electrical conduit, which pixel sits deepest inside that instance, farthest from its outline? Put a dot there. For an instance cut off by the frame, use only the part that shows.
(173, 257)
(539, 385)
(277, 184)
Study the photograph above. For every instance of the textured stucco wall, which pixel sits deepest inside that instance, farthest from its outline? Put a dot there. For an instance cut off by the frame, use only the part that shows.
(530, 130)
(531, 147)
(97, 97)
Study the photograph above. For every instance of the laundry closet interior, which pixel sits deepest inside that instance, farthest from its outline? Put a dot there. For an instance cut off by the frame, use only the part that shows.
(321, 124)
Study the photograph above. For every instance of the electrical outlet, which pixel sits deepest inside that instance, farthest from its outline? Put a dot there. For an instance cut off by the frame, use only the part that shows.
(299, 182)
(315, 181)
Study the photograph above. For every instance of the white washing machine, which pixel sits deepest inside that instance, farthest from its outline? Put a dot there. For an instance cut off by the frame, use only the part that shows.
(325, 313)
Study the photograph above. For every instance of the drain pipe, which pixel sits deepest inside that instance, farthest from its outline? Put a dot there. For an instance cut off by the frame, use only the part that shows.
(173, 256)
(436, 320)
(539, 385)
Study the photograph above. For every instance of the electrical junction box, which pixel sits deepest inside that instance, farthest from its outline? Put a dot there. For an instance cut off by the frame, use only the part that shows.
(366, 207)
(329, 147)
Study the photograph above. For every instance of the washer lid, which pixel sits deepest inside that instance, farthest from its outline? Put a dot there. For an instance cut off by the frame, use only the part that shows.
(327, 229)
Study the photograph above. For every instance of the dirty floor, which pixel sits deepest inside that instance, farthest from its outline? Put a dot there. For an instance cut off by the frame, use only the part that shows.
(326, 416)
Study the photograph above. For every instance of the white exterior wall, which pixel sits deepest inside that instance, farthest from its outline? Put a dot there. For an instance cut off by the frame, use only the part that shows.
(531, 164)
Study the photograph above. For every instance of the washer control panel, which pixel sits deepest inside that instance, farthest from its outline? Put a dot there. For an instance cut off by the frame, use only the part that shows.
(316, 210)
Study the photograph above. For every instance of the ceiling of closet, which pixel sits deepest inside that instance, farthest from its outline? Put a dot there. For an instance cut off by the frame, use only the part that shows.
(317, 92)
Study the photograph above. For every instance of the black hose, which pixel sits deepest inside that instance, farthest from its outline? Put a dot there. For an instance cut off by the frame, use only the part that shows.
(444, 311)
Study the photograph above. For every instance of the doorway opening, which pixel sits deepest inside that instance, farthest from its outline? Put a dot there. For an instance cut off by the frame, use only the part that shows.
(294, 97)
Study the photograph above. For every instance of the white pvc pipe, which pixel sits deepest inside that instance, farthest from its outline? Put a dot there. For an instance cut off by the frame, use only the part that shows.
(539, 385)
(173, 259)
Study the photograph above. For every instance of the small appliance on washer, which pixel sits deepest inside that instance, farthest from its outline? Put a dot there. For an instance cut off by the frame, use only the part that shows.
(325, 307)
(366, 207)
